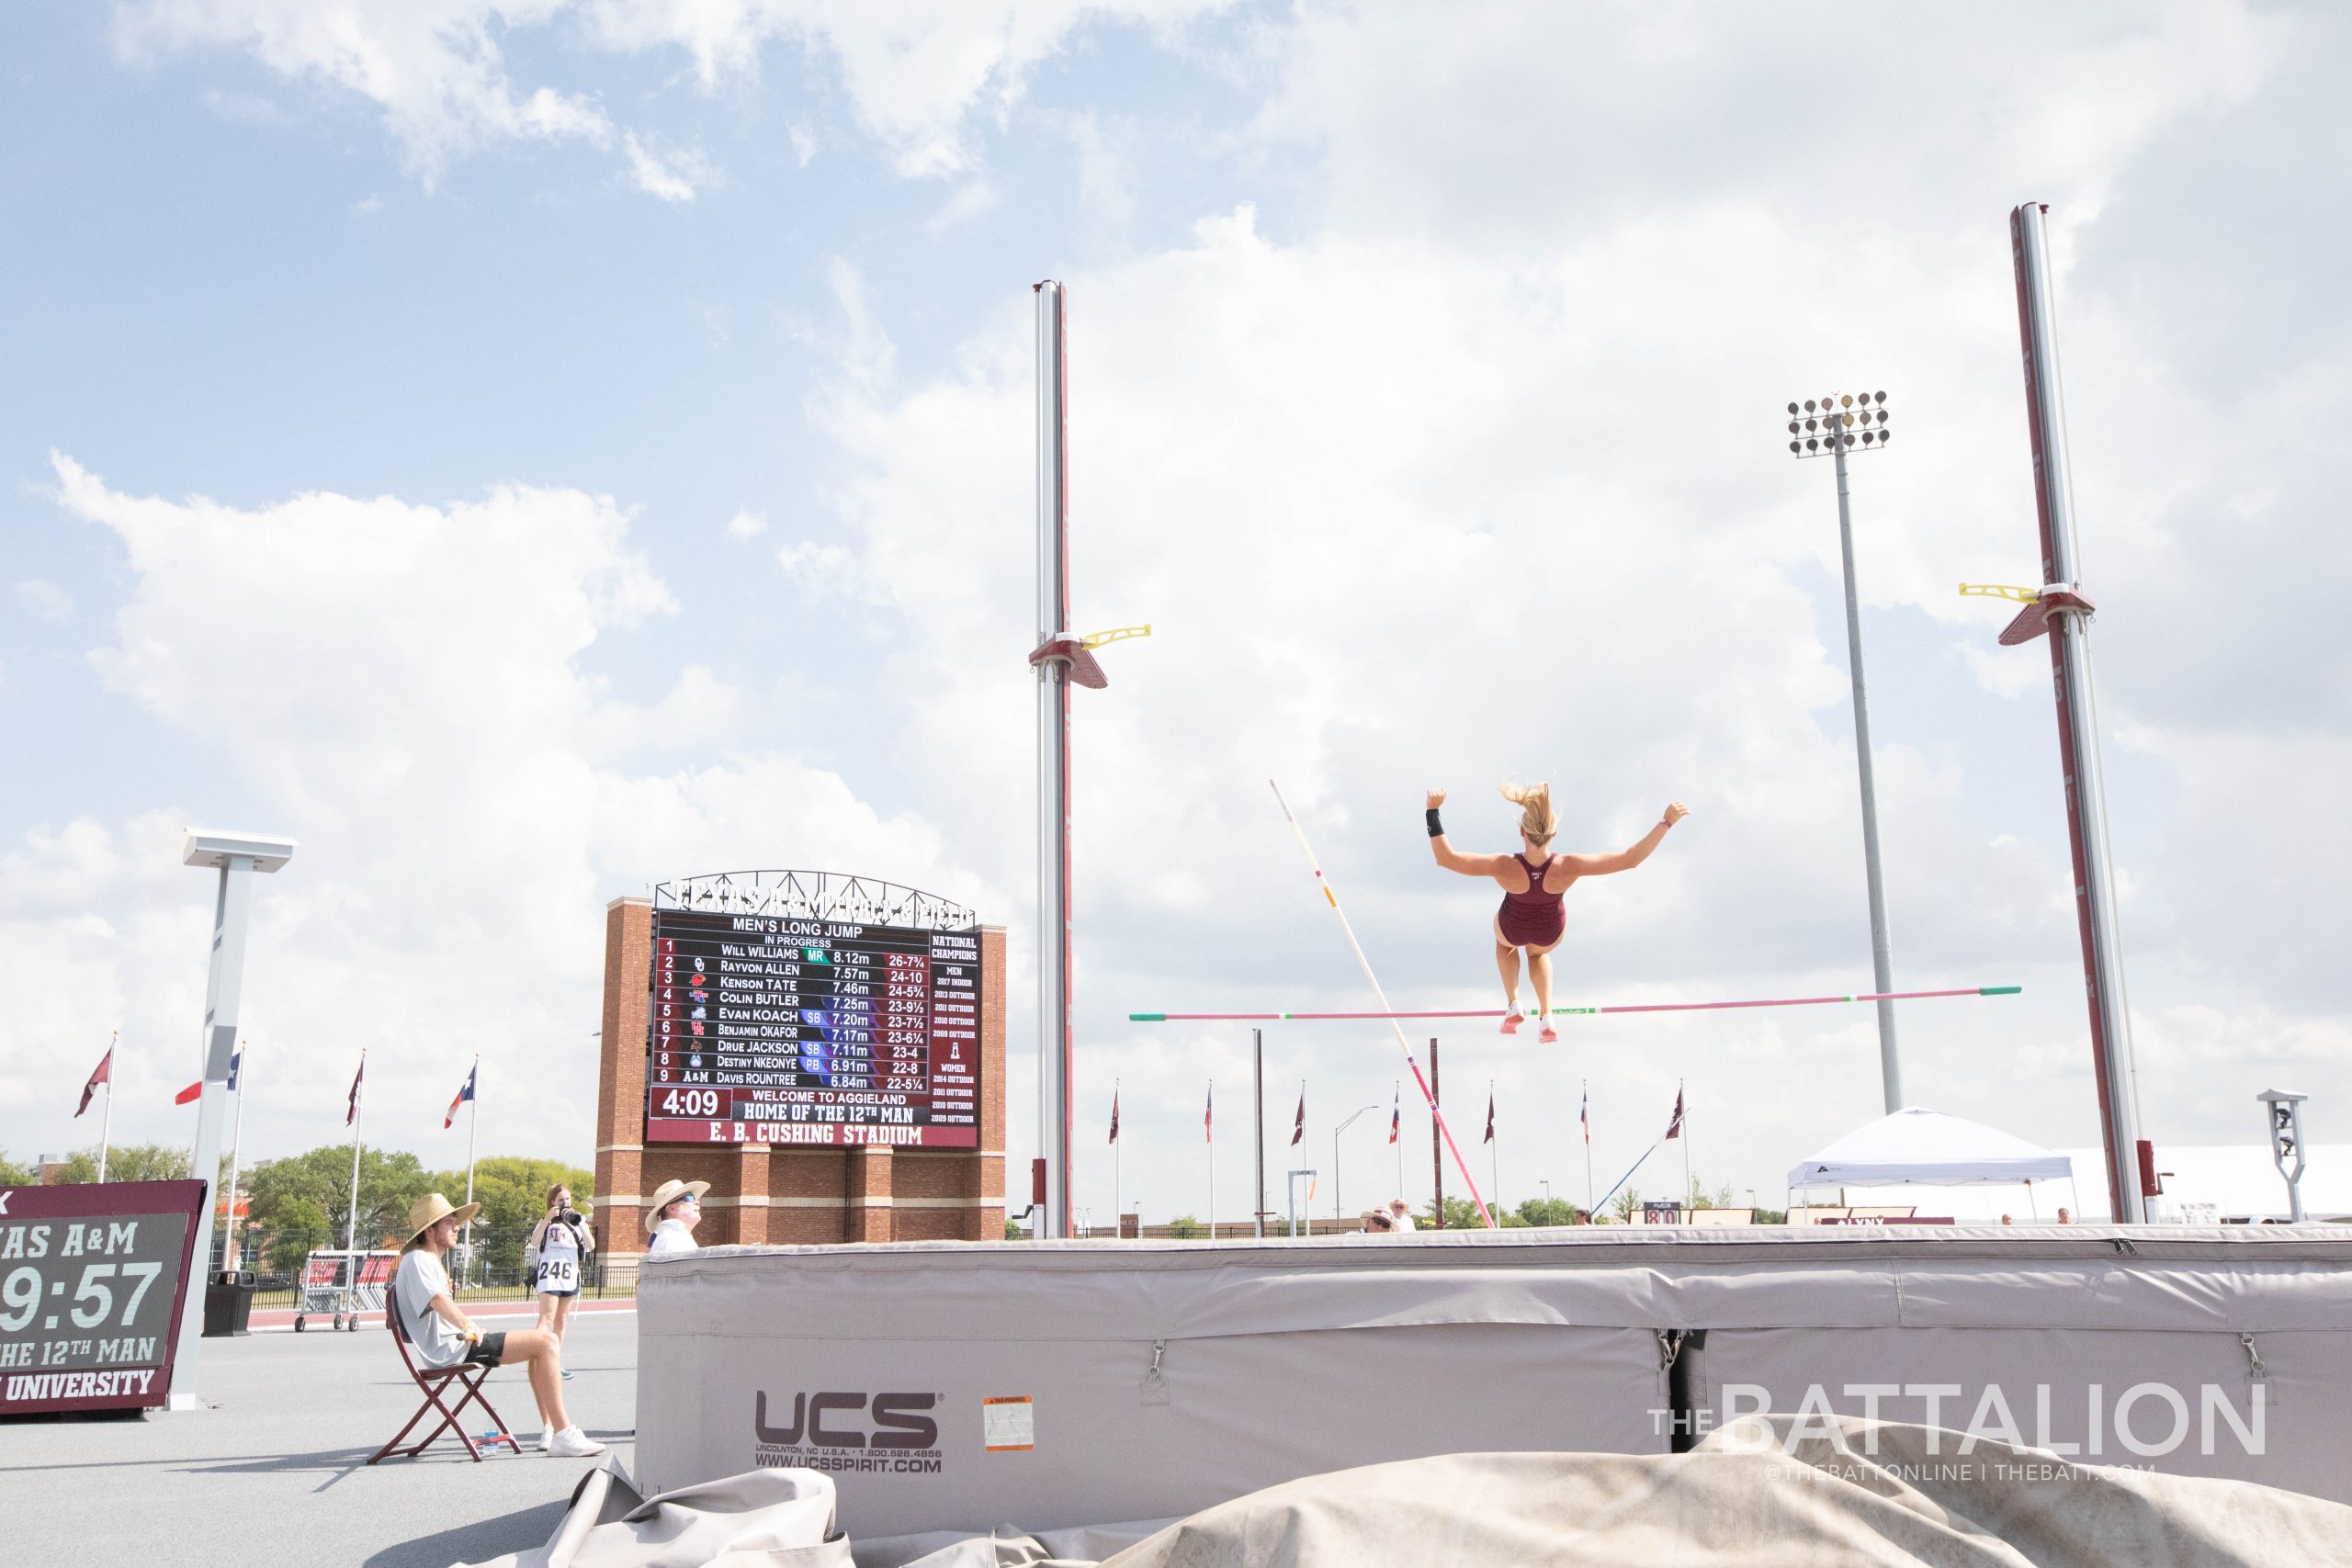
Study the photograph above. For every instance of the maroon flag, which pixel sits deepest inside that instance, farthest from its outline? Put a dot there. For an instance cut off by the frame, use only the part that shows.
(1299, 1128)
(1208, 1118)
(351, 1111)
(1490, 1115)
(1583, 1114)
(105, 1075)
(1674, 1128)
(1115, 1116)
(1395, 1114)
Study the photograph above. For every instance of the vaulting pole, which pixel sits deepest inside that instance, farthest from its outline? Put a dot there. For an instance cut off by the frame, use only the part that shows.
(1438, 1116)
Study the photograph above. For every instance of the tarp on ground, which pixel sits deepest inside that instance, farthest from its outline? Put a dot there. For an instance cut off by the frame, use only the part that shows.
(1916, 1146)
(1773, 1490)
(1061, 1383)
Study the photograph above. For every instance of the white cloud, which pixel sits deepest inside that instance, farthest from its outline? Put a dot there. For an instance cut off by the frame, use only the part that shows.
(746, 524)
(46, 601)
(676, 177)
(972, 198)
(432, 68)
(914, 71)
(414, 709)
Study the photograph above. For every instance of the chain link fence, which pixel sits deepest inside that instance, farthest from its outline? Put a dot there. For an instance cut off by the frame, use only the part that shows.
(488, 1267)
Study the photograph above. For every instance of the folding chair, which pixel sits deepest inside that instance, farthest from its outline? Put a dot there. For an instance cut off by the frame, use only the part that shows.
(435, 1382)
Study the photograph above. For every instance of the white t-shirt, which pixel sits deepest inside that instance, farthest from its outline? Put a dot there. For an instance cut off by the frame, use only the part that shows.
(671, 1235)
(559, 1270)
(419, 1278)
(1404, 1222)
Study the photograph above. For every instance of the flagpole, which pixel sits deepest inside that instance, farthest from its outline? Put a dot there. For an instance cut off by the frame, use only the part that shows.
(1586, 1092)
(1689, 1197)
(1494, 1150)
(236, 1146)
(473, 1125)
(359, 1112)
(1118, 1225)
(1212, 1143)
(1396, 1131)
(106, 1117)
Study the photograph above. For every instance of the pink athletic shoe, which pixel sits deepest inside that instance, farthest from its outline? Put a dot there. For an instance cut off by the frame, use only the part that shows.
(1550, 1037)
(1513, 1019)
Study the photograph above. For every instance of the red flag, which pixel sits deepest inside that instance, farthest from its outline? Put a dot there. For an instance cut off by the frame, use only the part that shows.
(1395, 1114)
(1208, 1118)
(1490, 1115)
(1115, 1116)
(351, 1113)
(105, 1075)
(1674, 1128)
(1298, 1129)
(189, 1095)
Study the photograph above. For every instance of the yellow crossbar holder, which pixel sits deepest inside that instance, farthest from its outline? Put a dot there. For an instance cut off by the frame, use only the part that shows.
(1118, 634)
(2002, 590)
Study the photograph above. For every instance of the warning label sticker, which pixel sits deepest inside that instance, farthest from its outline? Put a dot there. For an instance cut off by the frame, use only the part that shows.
(1009, 1425)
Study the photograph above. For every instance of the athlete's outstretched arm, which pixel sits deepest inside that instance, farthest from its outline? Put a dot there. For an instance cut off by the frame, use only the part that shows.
(1452, 858)
(1626, 860)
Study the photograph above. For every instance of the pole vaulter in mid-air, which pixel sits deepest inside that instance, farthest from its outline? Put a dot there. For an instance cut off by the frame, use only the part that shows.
(1534, 917)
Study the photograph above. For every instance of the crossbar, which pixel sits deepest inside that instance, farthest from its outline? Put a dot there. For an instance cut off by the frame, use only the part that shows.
(1572, 1012)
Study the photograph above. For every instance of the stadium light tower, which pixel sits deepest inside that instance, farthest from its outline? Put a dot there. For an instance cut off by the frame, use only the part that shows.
(1831, 427)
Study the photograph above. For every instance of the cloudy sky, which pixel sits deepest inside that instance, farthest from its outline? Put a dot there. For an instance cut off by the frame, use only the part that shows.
(530, 450)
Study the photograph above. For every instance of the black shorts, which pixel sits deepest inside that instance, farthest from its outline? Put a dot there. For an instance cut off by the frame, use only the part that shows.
(487, 1350)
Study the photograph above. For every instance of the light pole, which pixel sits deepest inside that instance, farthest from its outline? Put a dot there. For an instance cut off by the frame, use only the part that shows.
(1833, 426)
(238, 857)
(1342, 1127)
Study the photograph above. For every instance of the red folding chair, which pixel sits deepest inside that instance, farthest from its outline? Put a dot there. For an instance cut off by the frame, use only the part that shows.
(436, 1381)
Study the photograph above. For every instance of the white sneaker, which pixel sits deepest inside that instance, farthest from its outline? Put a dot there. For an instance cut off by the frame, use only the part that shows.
(573, 1443)
(547, 1436)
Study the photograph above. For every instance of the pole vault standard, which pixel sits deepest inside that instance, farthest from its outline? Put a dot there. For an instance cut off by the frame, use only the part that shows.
(2065, 613)
(1053, 765)
(1435, 1114)
(1559, 1013)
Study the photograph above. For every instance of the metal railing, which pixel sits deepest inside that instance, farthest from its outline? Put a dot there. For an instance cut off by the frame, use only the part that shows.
(489, 1268)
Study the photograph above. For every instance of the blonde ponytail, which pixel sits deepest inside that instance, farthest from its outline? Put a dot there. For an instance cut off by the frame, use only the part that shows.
(1538, 820)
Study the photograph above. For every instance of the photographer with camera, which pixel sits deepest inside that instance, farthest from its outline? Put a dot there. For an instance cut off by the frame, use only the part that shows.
(560, 1242)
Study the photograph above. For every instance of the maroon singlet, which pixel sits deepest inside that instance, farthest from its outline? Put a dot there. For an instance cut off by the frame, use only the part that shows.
(1534, 919)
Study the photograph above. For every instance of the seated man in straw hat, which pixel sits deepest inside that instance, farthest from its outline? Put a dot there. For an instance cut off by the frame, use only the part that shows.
(443, 1337)
(672, 1214)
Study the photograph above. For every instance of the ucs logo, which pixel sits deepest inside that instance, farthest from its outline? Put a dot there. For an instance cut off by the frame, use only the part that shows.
(894, 1420)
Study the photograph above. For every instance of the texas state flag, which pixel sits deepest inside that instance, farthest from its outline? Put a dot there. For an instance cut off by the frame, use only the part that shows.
(463, 1095)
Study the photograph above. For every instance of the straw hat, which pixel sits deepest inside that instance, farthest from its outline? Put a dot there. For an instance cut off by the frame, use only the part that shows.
(432, 1209)
(668, 1193)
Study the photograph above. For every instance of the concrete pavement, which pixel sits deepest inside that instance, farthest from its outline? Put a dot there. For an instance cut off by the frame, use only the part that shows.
(275, 1475)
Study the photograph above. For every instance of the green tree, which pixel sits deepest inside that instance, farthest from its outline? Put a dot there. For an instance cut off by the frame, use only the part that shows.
(1627, 1206)
(1013, 1230)
(1184, 1227)
(299, 1224)
(1549, 1212)
(131, 1162)
(513, 1191)
(1461, 1214)
(15, 1175)
(389, 1183)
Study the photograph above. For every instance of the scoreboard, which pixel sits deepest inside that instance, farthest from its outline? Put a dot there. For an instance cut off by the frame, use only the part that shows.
(770, 1029)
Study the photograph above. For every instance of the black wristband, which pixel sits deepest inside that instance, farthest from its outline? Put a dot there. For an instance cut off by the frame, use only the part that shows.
(1435, 830)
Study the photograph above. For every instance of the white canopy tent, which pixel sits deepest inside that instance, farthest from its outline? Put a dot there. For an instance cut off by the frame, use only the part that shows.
(1917, 1148)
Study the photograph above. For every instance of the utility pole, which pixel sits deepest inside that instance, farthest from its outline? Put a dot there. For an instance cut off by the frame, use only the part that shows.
(1835, 425)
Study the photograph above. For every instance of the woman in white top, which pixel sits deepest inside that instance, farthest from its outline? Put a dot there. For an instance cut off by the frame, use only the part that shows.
(671, 1216)
(441, 1335)
(560, 1243)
